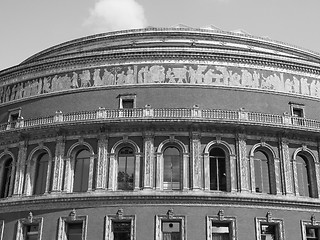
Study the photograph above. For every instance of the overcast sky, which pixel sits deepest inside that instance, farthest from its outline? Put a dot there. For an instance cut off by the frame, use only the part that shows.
(30, 26)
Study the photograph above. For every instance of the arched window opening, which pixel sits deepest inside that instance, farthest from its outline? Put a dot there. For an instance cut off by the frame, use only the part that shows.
(81, 171)
(171, 169)
(218, 176)
(125, 169)
(41, 174)
(303, 176)
(6, 178)
(262, 172)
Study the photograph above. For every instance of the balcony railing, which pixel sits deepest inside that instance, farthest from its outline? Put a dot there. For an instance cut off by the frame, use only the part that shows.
(172, 114)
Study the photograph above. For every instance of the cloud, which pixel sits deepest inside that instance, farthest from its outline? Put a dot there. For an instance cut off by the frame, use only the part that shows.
(112, 15)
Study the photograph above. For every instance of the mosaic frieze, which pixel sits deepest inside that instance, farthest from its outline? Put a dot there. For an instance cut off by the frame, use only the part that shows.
(153, 74)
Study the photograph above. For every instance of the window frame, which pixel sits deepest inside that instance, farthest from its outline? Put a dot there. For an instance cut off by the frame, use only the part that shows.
(12, 122)
(309, 223)
(268, 220)
(220, 218)
(29, 221)
(226, 168)
(127, 96)
(180, 168)
(134, 167)
(72, 218)
(119, 217)
(170, 216)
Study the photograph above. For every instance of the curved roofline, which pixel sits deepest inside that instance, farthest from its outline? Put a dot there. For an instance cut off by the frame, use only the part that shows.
(174, 29)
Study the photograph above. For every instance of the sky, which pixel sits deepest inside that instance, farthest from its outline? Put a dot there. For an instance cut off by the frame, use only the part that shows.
(30, 26)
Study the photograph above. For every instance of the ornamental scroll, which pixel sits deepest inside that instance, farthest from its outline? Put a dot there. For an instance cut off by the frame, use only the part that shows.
(166, 73)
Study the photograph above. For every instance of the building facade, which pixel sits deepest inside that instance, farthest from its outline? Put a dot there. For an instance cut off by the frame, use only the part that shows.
(164, 134)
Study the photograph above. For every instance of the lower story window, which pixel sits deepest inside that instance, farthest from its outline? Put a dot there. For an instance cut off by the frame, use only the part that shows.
(171, 230)
(310, 229)
(312, 233)
(29, 228)
(72, 227)
(120, 226)
(220, 231)
(268, 232)
(221, 227)
(121, 230)
(74, 231)
(269, 228)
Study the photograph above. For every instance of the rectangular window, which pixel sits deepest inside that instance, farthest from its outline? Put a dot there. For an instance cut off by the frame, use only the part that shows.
(220, 227)
(13, 116)
(220, 231)
(297, 112)
(74, 230)
(120, 227)
(121, 230)
(311, 229)
(72, 227)
(269, 228)
(312, 233)
(127, 101)
(171, 230)
(29, 228)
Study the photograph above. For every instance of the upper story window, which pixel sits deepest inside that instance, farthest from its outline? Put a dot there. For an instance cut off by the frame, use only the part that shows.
(261, 169)
(127, 101)
(303, 175)
(171, 169)
(297, 111)
(126, 162)
(81, 171)
(218, 173)
(6, 180)
(41, 173)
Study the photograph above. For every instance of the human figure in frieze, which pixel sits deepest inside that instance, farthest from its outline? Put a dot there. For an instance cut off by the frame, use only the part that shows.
(141, 75)
(74, 80)
(54, 84)
(246, 78)
(108, 78)
(7, 94)
(147, 75)
(170, 76)
(288, 85)
(199, 73)
(19, 93)
(13, 92)
(191, 75)
(121, 78)
(317, 88)
(85, 78)
(34, 88)
(157, 74)
(234, 79)
(224, 74)
(46, 84)
(40, 86)
(305, 86)
(181, 74)
(208, 76)
(130, 76)
(256, 79)
(1, 94)
(97, 81)
(296, 85)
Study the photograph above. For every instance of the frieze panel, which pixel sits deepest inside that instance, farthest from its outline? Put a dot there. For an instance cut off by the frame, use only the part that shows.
(164, 73)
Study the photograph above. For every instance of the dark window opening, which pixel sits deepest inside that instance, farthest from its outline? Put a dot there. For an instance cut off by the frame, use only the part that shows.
(312, 233)
(218, 173)
(127, 103)
(121, 230)
(220, 231)
(74, 231)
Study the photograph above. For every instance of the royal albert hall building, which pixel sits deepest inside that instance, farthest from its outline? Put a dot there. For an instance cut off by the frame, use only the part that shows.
(161, 134)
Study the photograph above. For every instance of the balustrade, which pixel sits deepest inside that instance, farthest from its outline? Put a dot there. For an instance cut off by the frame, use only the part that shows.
(165, 113)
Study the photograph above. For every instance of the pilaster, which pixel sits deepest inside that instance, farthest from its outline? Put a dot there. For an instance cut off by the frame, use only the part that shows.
(102, 162)
(20, 168)
(287, 167)
(58, 164)
(196, 170)
(148, 180)
(242, 161)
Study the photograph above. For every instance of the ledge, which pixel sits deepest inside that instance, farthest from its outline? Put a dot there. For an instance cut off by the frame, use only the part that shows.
(148, 114)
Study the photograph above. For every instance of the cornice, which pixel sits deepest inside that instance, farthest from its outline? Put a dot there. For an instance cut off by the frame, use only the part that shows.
(89, 200)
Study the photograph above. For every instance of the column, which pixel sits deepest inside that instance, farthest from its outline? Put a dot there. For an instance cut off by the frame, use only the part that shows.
(148, 179)
(102, 163)
(287, 166)
(58, 165)
(195, 155)
(242, 161)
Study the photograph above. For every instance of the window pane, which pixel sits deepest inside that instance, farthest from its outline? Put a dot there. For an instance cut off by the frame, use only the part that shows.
(172, 168)
(6, 178)
(312, 233)
(121, 230)
(268, 232)
(262, 173)
(218, 170)
(127, 103)
(41, 174)
(303, 179)
(171, 230)
(81, 171)
(32, 232)
(126, 169)
(74, 231)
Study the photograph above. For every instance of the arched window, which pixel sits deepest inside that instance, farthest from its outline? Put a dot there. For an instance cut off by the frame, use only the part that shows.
(40, 180)
(303, 176)
(125, 169)
(171, 169)
(6, 178)
(262, 172)
(81, 171)
(218, 176)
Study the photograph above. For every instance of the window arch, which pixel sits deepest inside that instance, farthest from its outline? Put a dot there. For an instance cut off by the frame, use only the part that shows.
(81, 171)
(126, 169)
(172, 168)
(6, 177)
(262, 172)
(41, 171)
(303, 175)
(218, 171)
